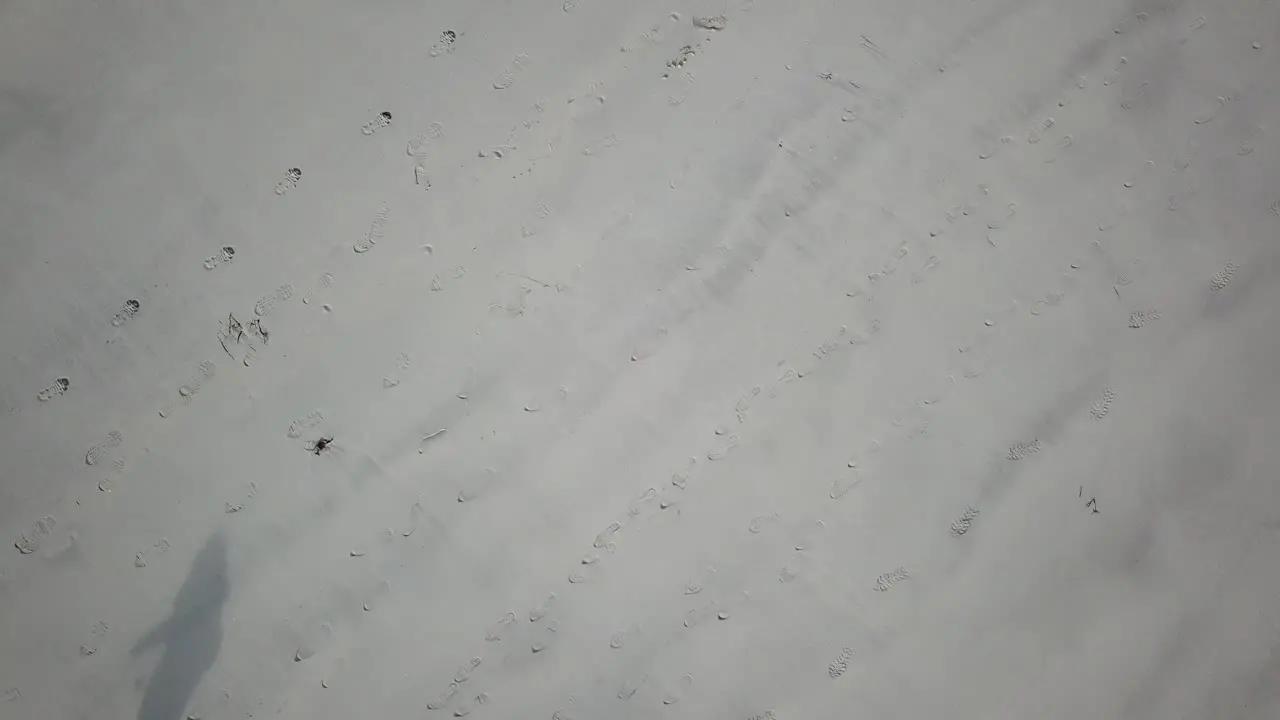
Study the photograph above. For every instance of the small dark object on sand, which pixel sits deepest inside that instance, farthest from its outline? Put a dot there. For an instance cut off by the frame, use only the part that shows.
(319, 446)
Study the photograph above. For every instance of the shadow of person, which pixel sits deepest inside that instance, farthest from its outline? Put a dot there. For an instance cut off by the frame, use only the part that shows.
(192, 635)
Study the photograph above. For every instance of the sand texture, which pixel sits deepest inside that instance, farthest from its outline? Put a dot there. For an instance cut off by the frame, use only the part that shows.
(583, 360)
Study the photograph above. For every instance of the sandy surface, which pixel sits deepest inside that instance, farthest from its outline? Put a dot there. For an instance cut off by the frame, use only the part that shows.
(818, 360)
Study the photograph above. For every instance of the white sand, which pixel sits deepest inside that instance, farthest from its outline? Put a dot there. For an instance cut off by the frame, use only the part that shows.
(781, 374)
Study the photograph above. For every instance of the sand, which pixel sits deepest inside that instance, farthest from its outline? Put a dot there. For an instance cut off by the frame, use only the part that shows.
(735, 359)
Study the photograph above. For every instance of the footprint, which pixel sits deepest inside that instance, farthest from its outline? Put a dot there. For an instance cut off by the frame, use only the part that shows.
(312, 645)
(478, 486)
(842, 485)
(628, 688)
(961, 526)
(231, 509)
(891, 578)
(723, 452)
(744, 403)
(809, 535)
(605, 537)
(31, 540)
(637, 503)
(265, 304)
(1223, 277)
(705, 612)
(127, 313)
(511, 73)
(98, 451)
(303, 424)
(841, 663)
(541, 611)
(792, 569)
(222, 257)
(379, 591)
(289, 181)
(324, 283)
(379, 121)
(589, 568)
(681, 688)
(442, 699)
(495, 631)
(547, 639)
(445, 45)
(1023, 449)
(761, 522)
(1139, 318)
(421, 145)
(1103, 405)
(620, 638)
(464, 671)
(151, 554)
(56, 388)
(415, 519)
(207, 370)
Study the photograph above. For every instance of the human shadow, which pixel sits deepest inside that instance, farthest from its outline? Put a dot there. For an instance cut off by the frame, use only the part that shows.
(192, 635)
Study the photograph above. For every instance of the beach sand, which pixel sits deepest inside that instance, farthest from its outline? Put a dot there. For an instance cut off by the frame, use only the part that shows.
(736, 359)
